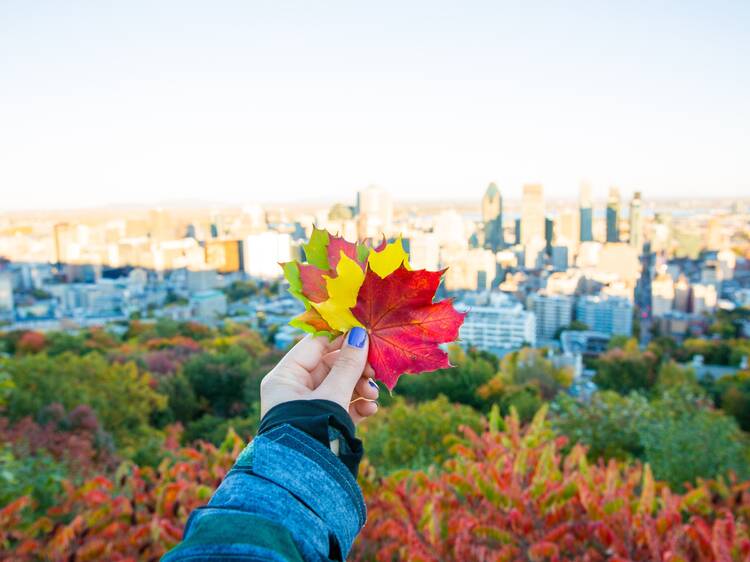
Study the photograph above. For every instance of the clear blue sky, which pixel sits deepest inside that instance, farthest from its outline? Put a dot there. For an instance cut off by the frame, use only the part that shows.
(135, 101)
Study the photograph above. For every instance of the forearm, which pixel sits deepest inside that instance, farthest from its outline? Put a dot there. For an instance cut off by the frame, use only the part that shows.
(288, 497)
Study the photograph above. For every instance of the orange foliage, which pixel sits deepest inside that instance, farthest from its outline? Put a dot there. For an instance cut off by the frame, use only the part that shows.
(513, 496)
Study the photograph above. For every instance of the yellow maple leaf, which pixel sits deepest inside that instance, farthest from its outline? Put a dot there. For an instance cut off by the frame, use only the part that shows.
(342, 295)
(389, 258)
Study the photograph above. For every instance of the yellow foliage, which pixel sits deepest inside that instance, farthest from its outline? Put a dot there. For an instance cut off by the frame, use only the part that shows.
(342, 295)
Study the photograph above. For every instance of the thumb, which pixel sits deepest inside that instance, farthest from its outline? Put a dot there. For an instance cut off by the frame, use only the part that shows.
(338, 385)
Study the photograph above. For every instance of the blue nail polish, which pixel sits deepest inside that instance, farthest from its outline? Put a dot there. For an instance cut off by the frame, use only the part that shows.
(357, 337)
(372, 384)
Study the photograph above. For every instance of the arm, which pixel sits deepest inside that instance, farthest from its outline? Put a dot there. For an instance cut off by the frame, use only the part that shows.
(292, 493)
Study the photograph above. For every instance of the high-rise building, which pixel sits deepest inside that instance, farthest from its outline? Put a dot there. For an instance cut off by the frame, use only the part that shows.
(532, 215)
(613, 215)
(636, 223)
(492, 217)
(374, 211)
(264, 252)
(662, 294)
(552, 313)
(586, 212)
(64, 240)
(611, 316)
(6, 295)
(502, 326)
(549, 234)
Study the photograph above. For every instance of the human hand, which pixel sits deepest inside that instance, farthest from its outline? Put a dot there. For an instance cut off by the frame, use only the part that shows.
(318, 369)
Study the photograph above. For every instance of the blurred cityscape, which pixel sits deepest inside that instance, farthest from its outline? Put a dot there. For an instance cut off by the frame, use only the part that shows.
(563, 275)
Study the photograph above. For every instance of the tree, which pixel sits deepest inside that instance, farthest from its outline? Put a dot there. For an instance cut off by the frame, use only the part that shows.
(120, 394)
(671, 375)
(418, 436)
(607, 425)
(225, 383)
(732, 394)
(627, 369)
(574, 326)
(472, 369)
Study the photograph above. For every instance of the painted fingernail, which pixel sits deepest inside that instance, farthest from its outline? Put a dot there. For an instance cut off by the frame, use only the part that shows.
(357, 337)
(372, 384)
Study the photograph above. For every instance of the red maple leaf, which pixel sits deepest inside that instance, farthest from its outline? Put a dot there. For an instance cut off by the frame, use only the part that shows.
(405, 326)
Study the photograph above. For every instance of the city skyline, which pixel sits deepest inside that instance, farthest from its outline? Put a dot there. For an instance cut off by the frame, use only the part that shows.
(137, 104)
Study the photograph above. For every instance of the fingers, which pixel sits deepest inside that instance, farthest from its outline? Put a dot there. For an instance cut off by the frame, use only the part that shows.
(362, 409)
(347, 369)
(366, 388)
(309, 351)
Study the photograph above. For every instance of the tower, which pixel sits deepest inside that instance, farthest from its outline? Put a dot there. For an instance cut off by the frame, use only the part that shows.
(613, 215)
(492, 217)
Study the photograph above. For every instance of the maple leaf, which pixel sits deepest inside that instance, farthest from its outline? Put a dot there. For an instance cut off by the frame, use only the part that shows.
(342, 293)
(386, 258)
(404, 325)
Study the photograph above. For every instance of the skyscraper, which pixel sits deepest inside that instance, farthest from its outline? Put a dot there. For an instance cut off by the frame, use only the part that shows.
(586, 214)
(374, 212)
(613, 215)
(549, 234)
(492, 217)
(532, 215)
(636, 222)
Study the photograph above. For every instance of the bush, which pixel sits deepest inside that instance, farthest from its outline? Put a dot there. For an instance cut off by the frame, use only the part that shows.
(406, 436)
(120, 395)
(677, 433)
(459, 383)
(626, 369)
(514, 495)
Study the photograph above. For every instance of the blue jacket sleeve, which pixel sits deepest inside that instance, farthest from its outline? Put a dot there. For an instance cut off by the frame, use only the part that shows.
(287, 498)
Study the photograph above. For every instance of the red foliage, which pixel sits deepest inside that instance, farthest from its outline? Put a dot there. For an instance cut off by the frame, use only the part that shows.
(405, 326)
(31, 342)
(75, 438)
(505, 495)
(138, 514)
(513, 496)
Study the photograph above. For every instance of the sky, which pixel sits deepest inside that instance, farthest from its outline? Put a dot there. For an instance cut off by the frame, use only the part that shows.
(284, 100)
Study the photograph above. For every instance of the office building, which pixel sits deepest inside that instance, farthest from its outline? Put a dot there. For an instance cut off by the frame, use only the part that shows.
(611, 315)
(492, 218)
(532, 215)
(500, 327)
(264, 252)
(613, 215)
(636, 223)
(552, 313)
(226, 256)
(7, 307)
(586, 214)
(662, 294)
(374, 210)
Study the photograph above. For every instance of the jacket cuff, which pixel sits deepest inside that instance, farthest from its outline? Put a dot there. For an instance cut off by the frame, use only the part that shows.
(324, 421)
(310, 472)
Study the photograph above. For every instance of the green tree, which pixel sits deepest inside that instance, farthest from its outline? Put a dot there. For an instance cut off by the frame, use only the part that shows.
(671, 375)
(626, 369)
(120, 394)
(414, 436)
(226, 382)
(460, 383)
(607, 424)
(732, 394)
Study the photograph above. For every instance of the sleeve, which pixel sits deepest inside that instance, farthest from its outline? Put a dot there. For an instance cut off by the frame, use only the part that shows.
(287, 498)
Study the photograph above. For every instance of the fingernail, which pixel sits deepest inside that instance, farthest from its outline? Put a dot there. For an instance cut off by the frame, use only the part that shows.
(357, 337)
(372, 384)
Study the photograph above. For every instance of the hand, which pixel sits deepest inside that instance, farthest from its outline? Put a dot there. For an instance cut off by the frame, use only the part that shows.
(318, 369)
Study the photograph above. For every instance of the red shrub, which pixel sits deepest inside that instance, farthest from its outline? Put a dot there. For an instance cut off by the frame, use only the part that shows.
(512, 495)
(31, 342)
